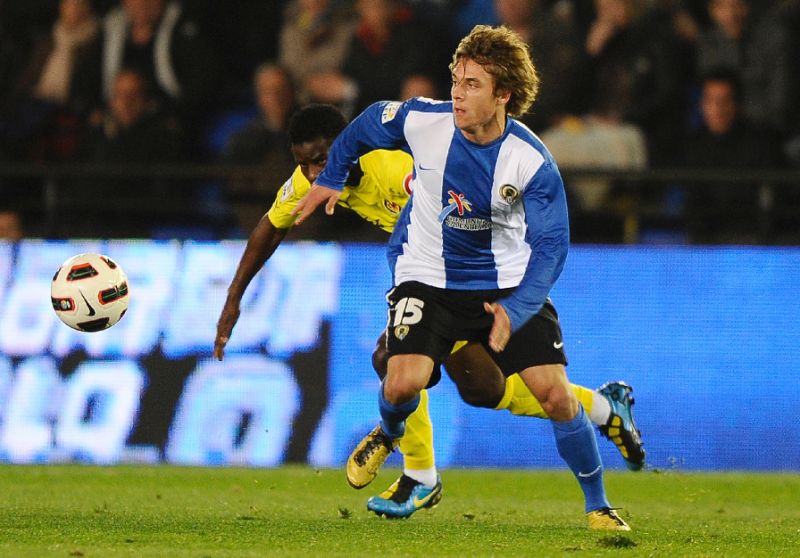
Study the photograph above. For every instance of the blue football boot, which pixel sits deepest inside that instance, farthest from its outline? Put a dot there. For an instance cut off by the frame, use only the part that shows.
(405, 497)
(620, 428)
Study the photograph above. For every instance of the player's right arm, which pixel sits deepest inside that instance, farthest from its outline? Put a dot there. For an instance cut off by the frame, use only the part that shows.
(264, 240)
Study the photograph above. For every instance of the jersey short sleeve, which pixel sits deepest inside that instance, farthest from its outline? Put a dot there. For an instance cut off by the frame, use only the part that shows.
(287, 198)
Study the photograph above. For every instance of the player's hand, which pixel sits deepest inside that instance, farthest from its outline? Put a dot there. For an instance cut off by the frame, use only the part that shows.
(501, 328)
(228, 319)
(315, 197)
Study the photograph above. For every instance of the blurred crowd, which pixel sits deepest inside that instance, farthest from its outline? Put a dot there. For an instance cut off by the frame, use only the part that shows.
(626, 84)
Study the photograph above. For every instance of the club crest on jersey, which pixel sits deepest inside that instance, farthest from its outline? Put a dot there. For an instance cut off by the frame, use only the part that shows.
(401, 331)
(509, 193)
(391, 206)
(389, 112)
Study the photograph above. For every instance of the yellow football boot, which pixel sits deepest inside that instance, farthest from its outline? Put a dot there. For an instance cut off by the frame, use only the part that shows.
(366, 460)
(606, 519)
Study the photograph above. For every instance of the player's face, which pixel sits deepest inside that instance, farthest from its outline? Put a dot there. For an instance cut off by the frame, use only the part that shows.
(478, 110)
(311, 156)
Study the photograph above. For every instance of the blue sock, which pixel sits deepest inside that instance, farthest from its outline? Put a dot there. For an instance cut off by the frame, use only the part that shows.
(393, 417)
(577, 445)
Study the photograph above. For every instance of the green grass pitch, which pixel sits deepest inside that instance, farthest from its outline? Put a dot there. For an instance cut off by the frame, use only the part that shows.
(165, 511)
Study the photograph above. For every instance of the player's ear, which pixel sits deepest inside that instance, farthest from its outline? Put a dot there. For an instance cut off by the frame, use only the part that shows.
(502, 97)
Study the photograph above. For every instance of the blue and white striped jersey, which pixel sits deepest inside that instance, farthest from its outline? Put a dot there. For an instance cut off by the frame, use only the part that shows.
(480, 217)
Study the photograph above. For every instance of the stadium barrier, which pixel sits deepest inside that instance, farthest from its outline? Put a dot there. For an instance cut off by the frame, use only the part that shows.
(707, 336)
(649, 204)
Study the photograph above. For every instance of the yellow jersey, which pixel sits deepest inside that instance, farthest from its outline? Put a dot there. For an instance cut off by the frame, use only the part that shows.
(380, 194)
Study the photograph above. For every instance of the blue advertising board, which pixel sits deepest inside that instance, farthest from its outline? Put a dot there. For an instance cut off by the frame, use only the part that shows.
(707, 336)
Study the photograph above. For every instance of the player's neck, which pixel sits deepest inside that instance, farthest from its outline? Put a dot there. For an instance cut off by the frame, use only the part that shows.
(488, 131)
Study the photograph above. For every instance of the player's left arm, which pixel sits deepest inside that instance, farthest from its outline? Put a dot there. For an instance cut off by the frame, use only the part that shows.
(380, 126)
(545, 204)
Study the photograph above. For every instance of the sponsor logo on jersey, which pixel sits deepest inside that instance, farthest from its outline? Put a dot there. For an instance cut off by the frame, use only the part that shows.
(389, 112)
(460, 205)
(457, 202)
(470, 224)
(288, 190)
(509, 193)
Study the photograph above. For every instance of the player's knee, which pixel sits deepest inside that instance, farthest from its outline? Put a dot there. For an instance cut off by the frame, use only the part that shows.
(560, 404)
(399, 389)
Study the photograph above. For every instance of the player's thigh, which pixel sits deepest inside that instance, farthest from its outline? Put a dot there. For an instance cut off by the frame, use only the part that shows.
(537, 343)
(479, 380)
(421, 322)
(380, 356)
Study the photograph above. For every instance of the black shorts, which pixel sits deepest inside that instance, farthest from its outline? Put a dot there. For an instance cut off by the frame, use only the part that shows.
(428, 321)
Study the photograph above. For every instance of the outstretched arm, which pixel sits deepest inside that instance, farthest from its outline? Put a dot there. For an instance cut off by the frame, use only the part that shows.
(263, 241)
(380, 126)
(315, 197)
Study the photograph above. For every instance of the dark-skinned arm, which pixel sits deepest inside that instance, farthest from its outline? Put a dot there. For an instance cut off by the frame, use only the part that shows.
(263, 241)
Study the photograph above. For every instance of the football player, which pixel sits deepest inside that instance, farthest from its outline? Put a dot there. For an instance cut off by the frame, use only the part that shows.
(377, 189)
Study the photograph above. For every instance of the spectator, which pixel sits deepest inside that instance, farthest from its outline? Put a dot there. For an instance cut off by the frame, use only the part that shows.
(266, 134)
(263, 141)
(10, 55)
(555, 48)
(759, 52)
(314, 40)
(789, 12)
(245, 33)
(168, 49)
(419, 86)
(133, 130)
(38, 108)
(626, 50)
(384, 54)
(725, 212)
(10, 225)
(600, 139)
(595, 141)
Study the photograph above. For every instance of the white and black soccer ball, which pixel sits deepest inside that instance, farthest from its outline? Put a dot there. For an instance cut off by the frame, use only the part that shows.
(90, 292)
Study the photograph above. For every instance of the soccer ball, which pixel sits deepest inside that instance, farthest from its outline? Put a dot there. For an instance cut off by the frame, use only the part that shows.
(89, 292)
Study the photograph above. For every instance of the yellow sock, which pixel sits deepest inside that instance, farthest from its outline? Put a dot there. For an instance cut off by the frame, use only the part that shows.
(416, 445)
(585, 396)
(519, 400)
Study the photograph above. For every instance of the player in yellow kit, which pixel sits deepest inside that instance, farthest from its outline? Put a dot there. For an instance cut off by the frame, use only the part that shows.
(377, 189)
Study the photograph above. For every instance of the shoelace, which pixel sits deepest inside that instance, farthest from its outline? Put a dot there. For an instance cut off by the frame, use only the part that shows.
(369, 448)
(404, 488)
(612, 513)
